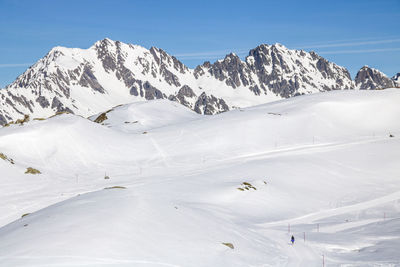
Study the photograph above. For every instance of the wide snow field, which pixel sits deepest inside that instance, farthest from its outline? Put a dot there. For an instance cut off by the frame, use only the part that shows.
(324, 168)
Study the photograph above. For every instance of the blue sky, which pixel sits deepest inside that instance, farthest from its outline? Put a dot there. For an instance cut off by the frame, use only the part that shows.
(349, 33)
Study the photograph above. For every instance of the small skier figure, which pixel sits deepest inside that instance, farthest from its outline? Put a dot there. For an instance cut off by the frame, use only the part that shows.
(292, 239)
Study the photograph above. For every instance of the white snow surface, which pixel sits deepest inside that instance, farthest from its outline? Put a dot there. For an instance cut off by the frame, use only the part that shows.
(322, 164)
(139, 117)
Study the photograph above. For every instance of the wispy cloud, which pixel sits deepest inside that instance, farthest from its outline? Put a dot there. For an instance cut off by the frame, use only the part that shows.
(358, 51)
(15, 65)
(209, 54)
(348, 44)
(217, 54)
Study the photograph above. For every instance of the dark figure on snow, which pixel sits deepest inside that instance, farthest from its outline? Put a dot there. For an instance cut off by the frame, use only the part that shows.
(292, 239)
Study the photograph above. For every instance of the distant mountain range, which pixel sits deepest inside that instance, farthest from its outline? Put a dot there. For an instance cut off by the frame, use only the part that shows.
(109, 73)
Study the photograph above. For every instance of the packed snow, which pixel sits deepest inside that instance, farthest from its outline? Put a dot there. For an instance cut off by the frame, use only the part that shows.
(157, 185)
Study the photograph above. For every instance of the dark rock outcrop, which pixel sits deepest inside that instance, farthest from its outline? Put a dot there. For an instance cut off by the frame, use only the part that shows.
(368, 78)
(231, 70)
(89, 80)
(44, 103)
(58, 106)
(209, 105)
(183, 94)
(396, 80)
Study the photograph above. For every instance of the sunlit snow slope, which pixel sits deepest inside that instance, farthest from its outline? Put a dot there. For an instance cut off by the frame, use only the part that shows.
(323, 166)
(139, 117)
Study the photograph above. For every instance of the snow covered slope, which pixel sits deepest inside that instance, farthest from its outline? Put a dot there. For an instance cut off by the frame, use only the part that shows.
(139, 117)
(109, 73)
(184, 192)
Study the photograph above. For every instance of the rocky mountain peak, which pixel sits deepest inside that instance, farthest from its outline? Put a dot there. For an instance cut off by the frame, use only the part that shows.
(232, 57)
(396, 80)
(104, 43)
(109, 73)
(369, 78)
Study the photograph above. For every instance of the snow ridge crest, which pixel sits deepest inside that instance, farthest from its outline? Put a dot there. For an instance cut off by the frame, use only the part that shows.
(109, 73)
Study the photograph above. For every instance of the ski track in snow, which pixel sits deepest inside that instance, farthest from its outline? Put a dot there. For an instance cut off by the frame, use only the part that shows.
(314, 217)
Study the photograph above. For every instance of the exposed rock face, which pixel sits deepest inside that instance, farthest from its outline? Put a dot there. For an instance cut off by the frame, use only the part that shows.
(231, 70)
(57, 105)
(151, 92)
(289, 72)
(89, 81)
(368, 78)
(396, 80)
(3, 120)
(43, 102)
(209, 105)
(185, 96)
(164, 61)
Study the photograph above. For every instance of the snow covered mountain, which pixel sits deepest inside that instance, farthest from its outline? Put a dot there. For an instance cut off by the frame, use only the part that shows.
(368, 78)
(109, 73)
(159, 185)
(87, 81)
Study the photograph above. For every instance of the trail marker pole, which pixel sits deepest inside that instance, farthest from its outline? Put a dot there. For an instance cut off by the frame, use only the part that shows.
(304, 236)
(318, 227)
(384, 216)
(323, 260)
(288, 228)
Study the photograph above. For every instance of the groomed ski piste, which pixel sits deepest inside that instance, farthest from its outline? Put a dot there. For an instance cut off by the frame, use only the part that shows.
(154, 184)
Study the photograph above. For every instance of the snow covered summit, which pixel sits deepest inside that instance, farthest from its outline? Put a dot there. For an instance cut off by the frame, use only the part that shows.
(109, 73)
